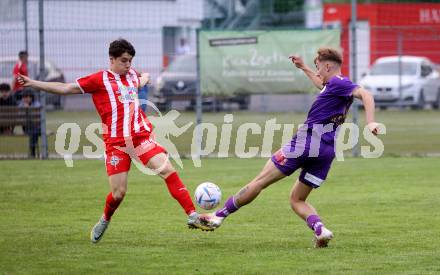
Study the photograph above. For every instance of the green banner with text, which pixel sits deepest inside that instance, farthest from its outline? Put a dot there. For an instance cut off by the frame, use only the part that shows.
(233, 62)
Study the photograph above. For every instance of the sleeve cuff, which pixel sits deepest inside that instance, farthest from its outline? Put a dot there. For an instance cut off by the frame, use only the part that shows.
(79, 85)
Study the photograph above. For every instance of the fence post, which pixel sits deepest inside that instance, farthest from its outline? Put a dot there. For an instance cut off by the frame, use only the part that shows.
(26, 39)
(353, 62)
(198, 98)
(399, 54)
(44, 153)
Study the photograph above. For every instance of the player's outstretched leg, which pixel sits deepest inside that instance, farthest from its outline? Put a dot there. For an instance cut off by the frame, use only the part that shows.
(118, 185)
(178, 191)
(246, 195)
(306, 211)
(161, 164)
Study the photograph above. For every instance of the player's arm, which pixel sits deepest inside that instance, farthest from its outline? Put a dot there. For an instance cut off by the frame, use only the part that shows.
(144, 79)
(50, 87)
(368, 101)
(299, 63)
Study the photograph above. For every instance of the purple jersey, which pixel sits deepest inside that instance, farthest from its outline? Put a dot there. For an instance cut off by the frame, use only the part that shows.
(312, 148)
(331, 105)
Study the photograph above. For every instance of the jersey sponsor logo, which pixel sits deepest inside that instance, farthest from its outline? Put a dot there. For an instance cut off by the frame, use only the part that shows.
(338, 119)
(127, 94)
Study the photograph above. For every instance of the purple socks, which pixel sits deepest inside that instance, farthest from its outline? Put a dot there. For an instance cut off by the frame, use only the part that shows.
(314, 222)
(229, 208)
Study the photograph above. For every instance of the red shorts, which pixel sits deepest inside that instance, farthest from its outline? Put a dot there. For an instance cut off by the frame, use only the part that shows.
(118, 154)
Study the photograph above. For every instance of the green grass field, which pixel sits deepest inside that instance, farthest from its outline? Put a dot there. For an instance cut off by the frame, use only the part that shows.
(384, 213)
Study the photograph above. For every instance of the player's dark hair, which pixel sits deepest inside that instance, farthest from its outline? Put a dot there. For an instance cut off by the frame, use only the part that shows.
(5, 87)
(329, 54)
(119, 47)
(22, 54)
(27, 92)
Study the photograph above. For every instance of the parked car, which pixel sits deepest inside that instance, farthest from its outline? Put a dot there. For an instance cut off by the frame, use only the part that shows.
(52, 73)
(419, 82)
(178, 82)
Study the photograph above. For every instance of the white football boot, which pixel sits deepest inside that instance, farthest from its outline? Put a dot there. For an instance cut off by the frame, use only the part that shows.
(198, 221)
(213, 220)
(322, 239)
(98, 230)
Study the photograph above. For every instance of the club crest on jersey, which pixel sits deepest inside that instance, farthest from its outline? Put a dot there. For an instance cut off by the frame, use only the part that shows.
(127, 94)
(114, 161)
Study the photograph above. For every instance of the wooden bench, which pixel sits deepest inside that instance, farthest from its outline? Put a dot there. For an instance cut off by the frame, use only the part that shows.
(29, 118)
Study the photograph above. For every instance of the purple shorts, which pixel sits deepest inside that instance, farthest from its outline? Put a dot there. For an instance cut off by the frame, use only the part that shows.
(315, 163)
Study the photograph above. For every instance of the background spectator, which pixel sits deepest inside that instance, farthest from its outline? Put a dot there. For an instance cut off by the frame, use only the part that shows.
(6, 98)
(143, 95)
(21, 67)
(33, 130)
(28, 99)
(183, 47)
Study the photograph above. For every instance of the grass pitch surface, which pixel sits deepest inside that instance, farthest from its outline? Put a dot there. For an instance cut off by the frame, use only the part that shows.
(383, 212)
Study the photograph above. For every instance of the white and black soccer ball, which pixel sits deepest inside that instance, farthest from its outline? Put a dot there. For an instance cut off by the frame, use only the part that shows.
(208, 195)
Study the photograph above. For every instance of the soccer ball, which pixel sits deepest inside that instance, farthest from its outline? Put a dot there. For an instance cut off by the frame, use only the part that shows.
(208, 195)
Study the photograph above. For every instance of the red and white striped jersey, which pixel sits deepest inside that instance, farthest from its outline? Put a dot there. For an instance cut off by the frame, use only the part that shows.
(116, 100)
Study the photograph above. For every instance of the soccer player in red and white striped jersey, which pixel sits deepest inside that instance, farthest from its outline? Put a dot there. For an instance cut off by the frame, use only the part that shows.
(127, 130)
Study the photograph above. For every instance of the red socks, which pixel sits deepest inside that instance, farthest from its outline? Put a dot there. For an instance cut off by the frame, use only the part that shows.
(110, 206)
(178, 190)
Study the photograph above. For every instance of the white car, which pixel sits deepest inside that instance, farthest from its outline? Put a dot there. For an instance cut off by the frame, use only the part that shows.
(419, 82)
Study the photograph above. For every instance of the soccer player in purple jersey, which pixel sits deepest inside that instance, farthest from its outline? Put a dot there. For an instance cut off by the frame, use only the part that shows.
(313, 146)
